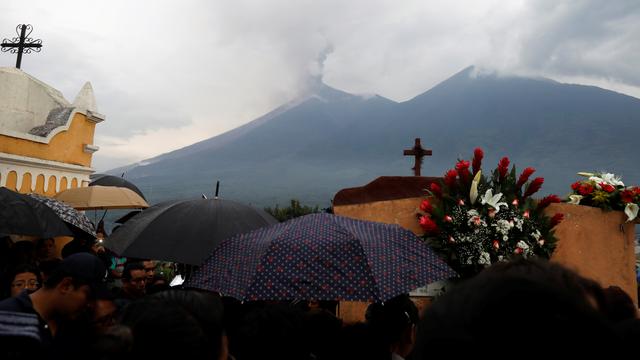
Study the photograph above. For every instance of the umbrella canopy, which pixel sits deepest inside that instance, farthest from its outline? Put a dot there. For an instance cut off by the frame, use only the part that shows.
(102, 198)
(79, 221)
(110, 180)
(23, 215)
(321, 257)
(185, 231)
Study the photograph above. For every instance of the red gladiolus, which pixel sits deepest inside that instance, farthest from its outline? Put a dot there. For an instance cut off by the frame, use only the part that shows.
(608, 188)
(636, 190)
(556, 219)
(463, 171)
(585, 189)
(548, 200)
(526, 214)
(627, 196)
(450, 178)
(503, 167)
(478, 154)
(533, 187)
(575, 186)
(518, 250)
(429, 226)
(425, 206)
(496, 244)
(515, 202)
(436, 189)
(524, 177)
(460, 202)
(448, 218)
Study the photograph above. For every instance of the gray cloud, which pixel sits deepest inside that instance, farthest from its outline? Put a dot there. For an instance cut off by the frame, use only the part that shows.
(167, 73)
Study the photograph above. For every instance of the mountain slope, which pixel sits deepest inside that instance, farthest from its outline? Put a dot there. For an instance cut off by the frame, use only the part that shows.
(313, 147)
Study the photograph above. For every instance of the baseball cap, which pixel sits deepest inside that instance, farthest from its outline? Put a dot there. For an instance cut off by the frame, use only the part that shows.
(89, 269)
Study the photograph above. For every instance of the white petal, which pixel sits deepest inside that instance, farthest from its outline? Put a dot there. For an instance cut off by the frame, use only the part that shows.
(631, 210)
(575, 199)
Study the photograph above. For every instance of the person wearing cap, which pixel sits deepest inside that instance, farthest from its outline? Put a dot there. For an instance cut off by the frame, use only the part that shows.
(65, 294)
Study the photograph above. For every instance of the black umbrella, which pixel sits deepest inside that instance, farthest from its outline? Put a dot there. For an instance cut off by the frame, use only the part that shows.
(110, 180)
(23, 215)
(185, 231)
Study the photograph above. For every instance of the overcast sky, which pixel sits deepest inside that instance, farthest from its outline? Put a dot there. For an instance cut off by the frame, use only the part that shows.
(169, 73)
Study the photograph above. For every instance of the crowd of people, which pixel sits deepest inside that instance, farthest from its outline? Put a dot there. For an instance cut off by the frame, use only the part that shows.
(94, 304)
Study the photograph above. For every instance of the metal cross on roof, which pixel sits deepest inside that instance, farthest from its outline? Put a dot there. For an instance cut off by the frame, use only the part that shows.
(21, 44)
(419, 153)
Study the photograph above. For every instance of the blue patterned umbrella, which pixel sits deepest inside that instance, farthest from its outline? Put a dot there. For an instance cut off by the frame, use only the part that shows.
(321, 257)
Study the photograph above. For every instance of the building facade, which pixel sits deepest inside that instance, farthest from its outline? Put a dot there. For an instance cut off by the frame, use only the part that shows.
(46, 143)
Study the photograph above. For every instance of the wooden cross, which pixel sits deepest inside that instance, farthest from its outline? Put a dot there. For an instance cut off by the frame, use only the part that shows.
(419, 153)
(22, 43)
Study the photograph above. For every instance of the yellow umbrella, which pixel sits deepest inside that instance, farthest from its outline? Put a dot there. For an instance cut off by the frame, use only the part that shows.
(102, 198)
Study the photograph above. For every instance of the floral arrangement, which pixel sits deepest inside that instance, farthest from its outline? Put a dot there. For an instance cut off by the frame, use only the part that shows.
(474, 221)
(606, 191)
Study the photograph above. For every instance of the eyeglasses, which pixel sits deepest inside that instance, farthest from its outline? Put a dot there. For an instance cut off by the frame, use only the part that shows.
(29, 284)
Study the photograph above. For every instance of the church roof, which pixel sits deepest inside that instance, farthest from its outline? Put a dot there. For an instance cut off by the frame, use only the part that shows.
(30, 107)
(385, 188)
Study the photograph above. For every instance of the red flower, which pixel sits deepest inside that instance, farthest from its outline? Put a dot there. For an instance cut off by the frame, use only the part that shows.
(533, 187)
(436, 189)
(585, 189)
(608, 188)
(448, 218)
(636, 190)
(429, 226)
(450, 178)
(518, 250)
(575, 186)
(627, 196)
(478, 154)
(556, 219)
(503, 167)
(548, 200)
(463, 171)
(524, 177)
(425, 206)
(496, 244)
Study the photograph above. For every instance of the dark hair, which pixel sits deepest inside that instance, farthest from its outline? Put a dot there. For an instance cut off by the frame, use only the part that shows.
(528, 299)
(187, 323)
(391, 318)
(618, 305)
(272, 332)
(128, 268)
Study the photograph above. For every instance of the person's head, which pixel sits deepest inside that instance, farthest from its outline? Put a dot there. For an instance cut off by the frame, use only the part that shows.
(149, 270)
(23, 277)
(618, 305)
(45, 249)
(187, 323)
(394, 322)
(75, 246)
(271, 332)
(74, 283)
(134, 279)
(528, 299)
(104, 314)
(47, 267)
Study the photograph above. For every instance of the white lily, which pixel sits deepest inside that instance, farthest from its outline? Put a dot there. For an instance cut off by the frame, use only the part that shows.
(586, 174)
(631, 210)
(606, 178)
(473, 193)
(575, 199)
(493, 200)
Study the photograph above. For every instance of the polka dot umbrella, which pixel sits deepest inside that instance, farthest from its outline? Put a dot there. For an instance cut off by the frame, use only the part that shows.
(321, 257)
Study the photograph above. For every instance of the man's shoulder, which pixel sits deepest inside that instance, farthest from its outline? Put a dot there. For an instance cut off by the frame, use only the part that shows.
(14, 304)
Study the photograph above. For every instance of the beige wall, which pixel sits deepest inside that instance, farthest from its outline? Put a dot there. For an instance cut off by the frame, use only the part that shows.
(402, 212)
(597, 244)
